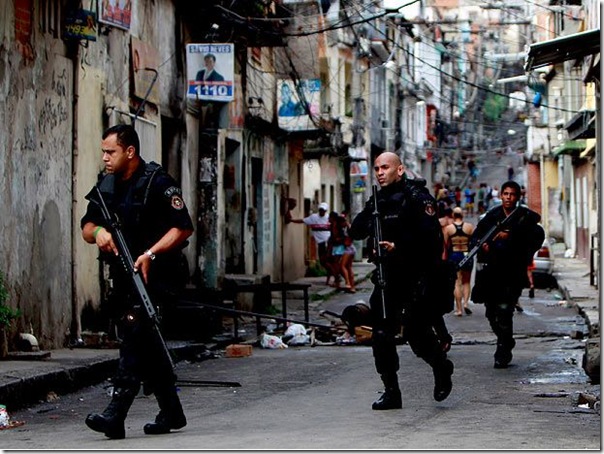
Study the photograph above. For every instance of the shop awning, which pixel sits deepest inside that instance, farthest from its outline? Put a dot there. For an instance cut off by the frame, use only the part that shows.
(558, 50)
(569, 147)
(582, 125)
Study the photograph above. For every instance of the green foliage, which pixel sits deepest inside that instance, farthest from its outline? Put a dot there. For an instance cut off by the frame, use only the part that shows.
(3, 290)
(315, 270)
(494, 106)
(7, 314)
(272, 310)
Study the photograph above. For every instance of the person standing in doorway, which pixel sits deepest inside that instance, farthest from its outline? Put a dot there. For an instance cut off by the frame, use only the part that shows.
(155, 223)
(412, 245)
(321, 231)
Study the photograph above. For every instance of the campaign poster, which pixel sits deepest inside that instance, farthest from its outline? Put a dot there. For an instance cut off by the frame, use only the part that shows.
(116, 12)
(298, 105)
(210, 71)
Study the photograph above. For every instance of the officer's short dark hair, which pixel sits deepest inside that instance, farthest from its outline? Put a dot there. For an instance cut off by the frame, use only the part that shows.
(511, 184)
(126, 136)
(212, 56)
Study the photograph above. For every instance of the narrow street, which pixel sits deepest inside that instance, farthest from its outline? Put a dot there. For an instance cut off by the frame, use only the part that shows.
(320, 397)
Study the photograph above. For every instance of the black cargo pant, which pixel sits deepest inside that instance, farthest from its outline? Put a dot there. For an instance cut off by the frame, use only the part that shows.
(499, 289)
(415, 317)
(142, 359)
(499, 311)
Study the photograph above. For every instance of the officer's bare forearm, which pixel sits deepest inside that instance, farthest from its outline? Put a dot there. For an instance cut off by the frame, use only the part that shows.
(88, 232)
(172, 239)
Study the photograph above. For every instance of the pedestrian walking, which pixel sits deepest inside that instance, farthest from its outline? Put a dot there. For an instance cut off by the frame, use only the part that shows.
(349, 253)
(495, 198)
(412, 247)
(503, 261)
(320, 229)
(336, 249)
(155, 224)
(457, 239)
(469, 196)
(481, 196)
(457, 196)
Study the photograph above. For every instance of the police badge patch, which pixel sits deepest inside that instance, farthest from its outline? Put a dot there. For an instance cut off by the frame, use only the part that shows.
(429, 208)
(177, 202)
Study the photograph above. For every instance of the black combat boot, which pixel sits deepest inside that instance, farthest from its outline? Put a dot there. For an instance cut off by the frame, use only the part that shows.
(391, 397)
(111, 421)
(442, 380)
(503, 354)
(503, 357)
(170, 414)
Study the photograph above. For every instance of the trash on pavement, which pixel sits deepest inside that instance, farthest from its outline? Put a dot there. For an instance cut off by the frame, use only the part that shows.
(346, 339)
(5, 422)
(270, 341)
(363, 334)
(295, 334)
(238, 351)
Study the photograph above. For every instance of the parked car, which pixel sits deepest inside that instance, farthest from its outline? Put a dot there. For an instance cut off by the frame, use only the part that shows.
(544, 259)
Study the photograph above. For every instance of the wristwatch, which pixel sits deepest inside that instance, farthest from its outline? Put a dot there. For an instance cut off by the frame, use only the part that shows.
(150, 254)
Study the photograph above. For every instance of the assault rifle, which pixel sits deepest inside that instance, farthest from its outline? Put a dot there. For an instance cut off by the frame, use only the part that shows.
(139, 285)
(141, 290)
(490, 234)
(377, 236)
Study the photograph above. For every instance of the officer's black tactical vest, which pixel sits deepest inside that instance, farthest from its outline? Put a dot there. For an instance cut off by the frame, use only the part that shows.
(137, 197)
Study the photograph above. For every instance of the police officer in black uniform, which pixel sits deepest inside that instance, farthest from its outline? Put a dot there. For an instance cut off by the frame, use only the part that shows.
(412, 248)
(156, 224)
(502, 262)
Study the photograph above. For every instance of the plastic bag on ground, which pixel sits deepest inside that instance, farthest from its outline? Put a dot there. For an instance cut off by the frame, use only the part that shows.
(270, 341)
(295, 334)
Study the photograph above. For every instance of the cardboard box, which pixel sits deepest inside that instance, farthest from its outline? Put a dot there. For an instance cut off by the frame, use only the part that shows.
(362, 334)
(238, 351)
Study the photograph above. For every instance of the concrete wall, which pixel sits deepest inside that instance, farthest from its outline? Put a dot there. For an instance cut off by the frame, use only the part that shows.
(36, 95)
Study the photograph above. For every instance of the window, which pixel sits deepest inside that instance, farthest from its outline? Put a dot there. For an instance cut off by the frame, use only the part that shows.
(50, 17)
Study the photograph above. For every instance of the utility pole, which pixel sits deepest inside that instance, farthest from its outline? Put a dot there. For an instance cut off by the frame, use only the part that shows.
(357, 198)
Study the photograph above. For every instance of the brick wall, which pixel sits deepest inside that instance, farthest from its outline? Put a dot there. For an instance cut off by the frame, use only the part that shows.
(23, 20)
(533, 188)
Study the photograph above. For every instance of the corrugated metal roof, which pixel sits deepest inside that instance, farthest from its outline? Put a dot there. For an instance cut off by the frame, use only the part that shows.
(571, 47)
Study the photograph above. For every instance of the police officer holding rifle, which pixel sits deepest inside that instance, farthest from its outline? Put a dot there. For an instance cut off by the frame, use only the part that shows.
(148, 209)
(411, 248)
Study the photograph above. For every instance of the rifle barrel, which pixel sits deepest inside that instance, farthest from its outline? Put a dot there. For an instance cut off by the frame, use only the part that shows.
(377, 235)
(139, 285)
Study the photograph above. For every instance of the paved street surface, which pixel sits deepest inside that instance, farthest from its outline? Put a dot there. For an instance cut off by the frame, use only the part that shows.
(320, 397)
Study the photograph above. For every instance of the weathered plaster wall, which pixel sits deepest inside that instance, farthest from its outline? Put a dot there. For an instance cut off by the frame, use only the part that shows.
(87, 165)
(35, 182)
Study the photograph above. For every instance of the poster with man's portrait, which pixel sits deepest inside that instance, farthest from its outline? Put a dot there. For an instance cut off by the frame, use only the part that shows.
(210, 69)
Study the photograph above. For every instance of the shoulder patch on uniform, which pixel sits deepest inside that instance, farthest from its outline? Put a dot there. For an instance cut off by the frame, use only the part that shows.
(429, 208)
(174, 193)
(177, 202)
(172, 190)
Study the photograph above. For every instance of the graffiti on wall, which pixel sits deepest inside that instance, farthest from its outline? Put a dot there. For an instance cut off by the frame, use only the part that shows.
(55, 108)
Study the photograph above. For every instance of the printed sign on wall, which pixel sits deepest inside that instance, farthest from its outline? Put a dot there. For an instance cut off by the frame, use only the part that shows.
(115, 12)
(297, 106)
(210, 69)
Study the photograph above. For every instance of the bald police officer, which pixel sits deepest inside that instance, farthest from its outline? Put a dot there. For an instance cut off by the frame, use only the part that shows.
(412, 246)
